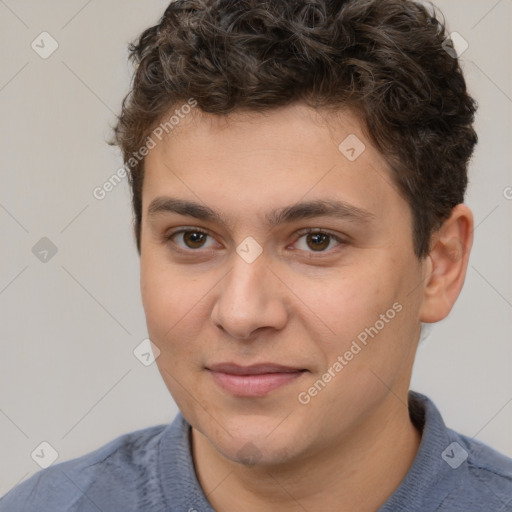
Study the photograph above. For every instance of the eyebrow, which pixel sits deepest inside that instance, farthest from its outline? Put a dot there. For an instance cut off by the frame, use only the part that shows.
(287, 214)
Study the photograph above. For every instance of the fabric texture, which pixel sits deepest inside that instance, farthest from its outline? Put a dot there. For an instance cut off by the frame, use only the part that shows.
(152, 470)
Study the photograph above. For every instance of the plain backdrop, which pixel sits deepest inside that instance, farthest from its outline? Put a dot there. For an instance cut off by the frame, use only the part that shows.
(70, 324)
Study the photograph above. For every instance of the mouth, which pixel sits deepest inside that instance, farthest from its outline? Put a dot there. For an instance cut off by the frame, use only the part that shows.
(255, 380)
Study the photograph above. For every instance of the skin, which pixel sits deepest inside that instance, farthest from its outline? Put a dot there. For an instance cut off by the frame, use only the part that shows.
(352, 444)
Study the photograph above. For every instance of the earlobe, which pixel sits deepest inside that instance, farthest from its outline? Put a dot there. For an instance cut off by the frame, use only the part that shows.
(447, 264)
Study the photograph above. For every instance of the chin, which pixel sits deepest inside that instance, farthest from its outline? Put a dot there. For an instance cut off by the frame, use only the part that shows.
(260, 452)
(251, 440)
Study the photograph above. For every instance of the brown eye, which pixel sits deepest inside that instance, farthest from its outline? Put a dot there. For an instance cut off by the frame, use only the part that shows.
(318, 241)
(190, 239)
(194, 239)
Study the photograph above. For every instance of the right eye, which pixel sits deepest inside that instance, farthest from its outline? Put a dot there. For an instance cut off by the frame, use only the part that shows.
(191, 239)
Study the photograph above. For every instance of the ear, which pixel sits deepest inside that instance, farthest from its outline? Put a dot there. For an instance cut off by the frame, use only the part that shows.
(446, 264)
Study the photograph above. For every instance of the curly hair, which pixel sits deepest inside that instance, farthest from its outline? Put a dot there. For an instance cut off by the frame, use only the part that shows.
(391, 61)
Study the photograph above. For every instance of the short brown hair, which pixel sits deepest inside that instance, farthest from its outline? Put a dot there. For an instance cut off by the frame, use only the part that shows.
(391, 61)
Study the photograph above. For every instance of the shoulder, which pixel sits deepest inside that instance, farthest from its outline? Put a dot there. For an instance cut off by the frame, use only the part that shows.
(485, 476)
(490, 468)
(451, 471)
(123, 464)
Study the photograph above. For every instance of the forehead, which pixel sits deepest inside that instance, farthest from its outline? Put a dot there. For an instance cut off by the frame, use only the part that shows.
(299, 121)
(247, 160)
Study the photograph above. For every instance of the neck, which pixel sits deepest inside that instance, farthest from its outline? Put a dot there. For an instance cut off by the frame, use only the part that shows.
(359, 473)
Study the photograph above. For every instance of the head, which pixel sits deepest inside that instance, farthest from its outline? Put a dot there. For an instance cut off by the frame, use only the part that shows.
(347, 118)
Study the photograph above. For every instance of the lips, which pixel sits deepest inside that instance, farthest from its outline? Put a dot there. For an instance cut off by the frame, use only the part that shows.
(255, 369)
(255, 380)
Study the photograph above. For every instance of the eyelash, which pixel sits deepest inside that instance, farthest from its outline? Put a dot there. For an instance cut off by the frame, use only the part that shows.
(168, 237)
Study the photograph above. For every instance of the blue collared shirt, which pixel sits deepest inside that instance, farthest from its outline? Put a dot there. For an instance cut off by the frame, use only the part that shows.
(151, 470)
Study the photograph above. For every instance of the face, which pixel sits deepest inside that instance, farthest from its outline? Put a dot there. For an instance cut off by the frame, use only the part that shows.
(278, 280)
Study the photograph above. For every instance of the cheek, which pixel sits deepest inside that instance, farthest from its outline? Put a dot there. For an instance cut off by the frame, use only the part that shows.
(155, 293)
(352, 306)
(175, 306)
(172, 306)
(353, 298)
(163, 299)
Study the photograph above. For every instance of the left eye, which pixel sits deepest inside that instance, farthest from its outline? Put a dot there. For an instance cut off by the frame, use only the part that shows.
(318, 241)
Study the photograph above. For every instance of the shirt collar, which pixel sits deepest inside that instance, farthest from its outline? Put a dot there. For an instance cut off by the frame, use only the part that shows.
(430, 478)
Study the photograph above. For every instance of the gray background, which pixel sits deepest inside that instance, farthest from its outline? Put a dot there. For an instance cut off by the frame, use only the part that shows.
(69, 325)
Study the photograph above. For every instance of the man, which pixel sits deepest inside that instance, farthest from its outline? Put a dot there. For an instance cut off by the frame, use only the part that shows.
(298, 172)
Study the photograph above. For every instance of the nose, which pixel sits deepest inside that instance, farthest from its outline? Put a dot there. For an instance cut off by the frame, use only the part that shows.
(250, 297)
